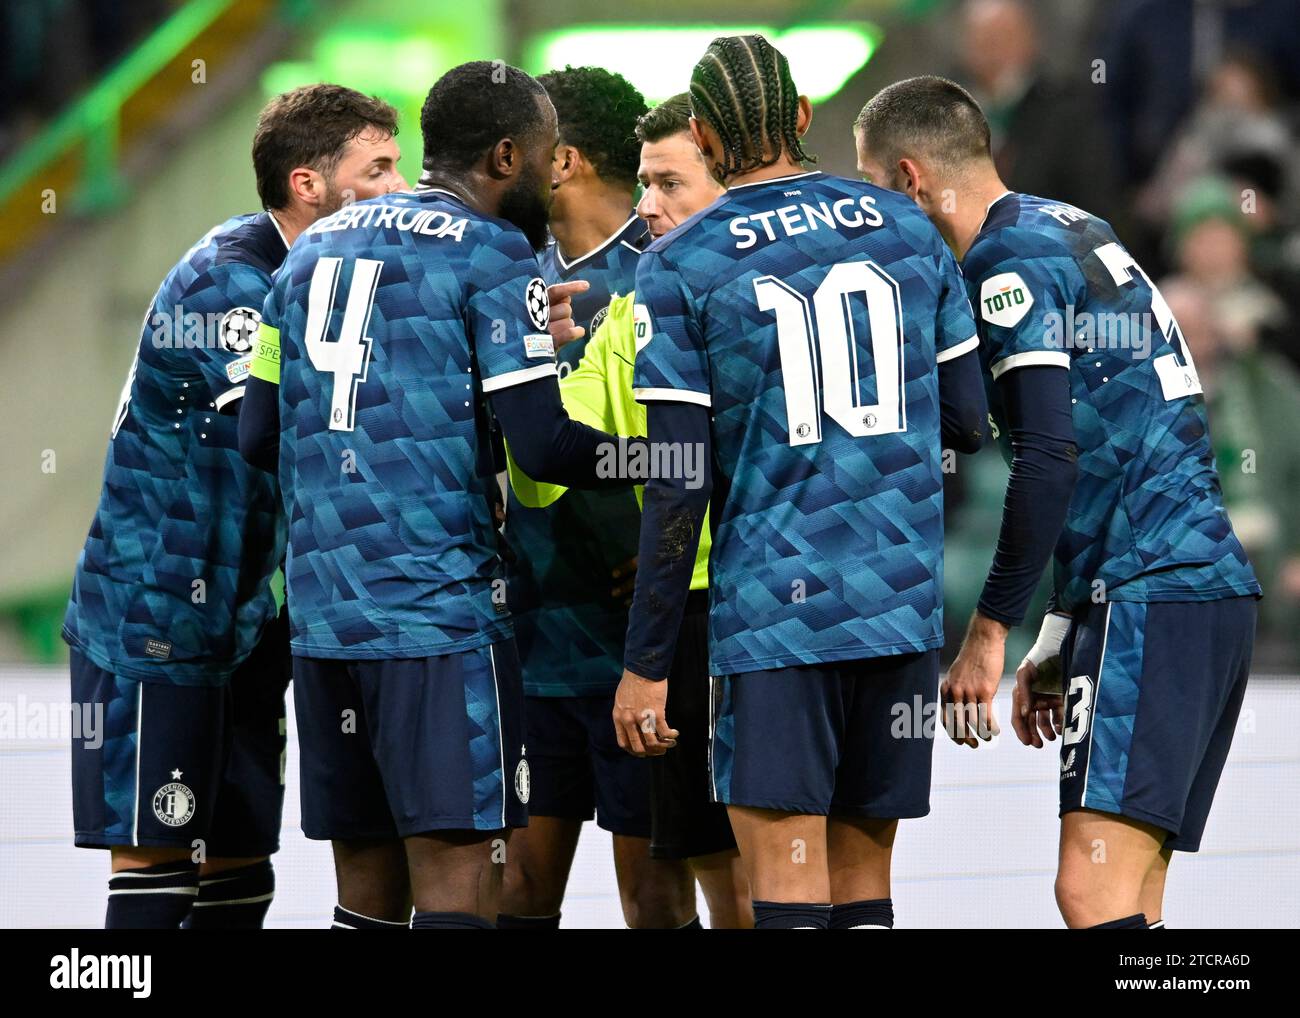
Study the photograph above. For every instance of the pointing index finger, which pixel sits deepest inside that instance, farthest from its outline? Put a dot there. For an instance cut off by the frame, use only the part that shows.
(561, 291)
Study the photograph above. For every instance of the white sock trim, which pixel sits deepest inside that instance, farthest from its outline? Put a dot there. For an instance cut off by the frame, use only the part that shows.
(358, 915)
(236, 901)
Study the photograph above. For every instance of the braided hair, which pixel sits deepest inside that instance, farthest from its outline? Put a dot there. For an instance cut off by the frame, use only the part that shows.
(742, 89)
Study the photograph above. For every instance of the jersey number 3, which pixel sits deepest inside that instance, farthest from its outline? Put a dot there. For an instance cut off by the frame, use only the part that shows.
(348, 357)
(818, 350)
(1177, 373)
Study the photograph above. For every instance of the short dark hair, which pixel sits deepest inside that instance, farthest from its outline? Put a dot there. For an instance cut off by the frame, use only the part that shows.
(672, 116)
(742, 89)
(928, 115)
(311, 126)
(472, 107)
(598, 111)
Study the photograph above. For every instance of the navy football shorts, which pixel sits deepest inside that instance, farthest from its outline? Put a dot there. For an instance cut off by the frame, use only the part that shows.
(397, 747)
(852, 737)
(578, 770)
(1152, 694)
(685, 821)
(184, 766)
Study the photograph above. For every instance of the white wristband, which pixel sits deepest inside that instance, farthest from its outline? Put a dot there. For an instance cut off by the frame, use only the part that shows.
(1050, 637)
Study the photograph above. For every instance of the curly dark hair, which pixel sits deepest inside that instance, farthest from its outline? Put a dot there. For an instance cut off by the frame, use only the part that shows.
(742, 89)
(472, 107)
(598, 111)
(311, 126)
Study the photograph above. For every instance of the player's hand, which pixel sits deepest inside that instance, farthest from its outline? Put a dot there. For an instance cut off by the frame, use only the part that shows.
(972, 682)
(561, 325)
(1035, 715)
(640, 721)
(624, 577)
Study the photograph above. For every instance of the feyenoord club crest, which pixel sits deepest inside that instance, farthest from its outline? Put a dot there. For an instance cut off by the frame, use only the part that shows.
(173, 804)
(523, 782)
(238, 328)
(539, 306)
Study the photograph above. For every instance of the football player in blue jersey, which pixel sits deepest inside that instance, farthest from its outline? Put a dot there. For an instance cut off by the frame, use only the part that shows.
(1142, 661)
(569, 619)
(386, 328)
(172, 622)
(595, 233)
(684, 823)
(809, 343)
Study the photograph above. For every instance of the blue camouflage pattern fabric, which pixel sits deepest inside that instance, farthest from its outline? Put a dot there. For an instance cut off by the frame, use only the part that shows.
(487, 755)
(611, 271)
(120, 751)
(828, 500)
(395, 316)
(1052, 285)
(1115, 712)
(173, 583)
(568, 627)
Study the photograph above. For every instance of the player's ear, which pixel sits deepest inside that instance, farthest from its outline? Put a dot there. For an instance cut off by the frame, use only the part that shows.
(803, 119)
(909, 176)
(502, 159)
(307, 185)
(707, 142)
(565, 163)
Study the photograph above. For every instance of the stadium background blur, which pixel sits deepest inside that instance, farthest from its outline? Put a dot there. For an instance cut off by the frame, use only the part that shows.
(125, 133)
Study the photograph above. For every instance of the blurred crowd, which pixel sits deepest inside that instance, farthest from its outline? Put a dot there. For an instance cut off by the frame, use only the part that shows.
(1183, 131)
(52, 50)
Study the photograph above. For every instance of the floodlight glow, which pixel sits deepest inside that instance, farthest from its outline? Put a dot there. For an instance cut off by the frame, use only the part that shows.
(383, 62)
(658, 59)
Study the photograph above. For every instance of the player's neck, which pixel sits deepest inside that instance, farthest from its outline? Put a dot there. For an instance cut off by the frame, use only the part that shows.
(783, 167)
(467, 189)
(583, 221)
(960, 227)
(291, 221)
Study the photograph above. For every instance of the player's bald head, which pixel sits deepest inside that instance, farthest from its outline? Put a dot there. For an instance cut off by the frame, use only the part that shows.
(926, 118)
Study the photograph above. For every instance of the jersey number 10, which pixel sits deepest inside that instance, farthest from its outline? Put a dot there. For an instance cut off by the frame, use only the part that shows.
(348, 357)
(818, 348)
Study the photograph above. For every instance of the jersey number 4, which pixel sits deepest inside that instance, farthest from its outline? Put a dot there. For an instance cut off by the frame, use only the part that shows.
(348, 357)
(819, 351)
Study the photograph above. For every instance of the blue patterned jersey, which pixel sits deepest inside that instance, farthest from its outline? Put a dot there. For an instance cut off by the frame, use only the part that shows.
(568, 627)
(611, 271)
(1052, 285)
(395, 315)
(809, 313)
(173, 584)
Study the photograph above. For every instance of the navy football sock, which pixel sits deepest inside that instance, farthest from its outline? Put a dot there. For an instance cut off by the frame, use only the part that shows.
(1159, 924)
(784, 915)
(876, 914)
(1130, 922)
(235, 899)
(694, 924)
(153, 898)
(528, 922)
(345, 920)
(450, 921)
